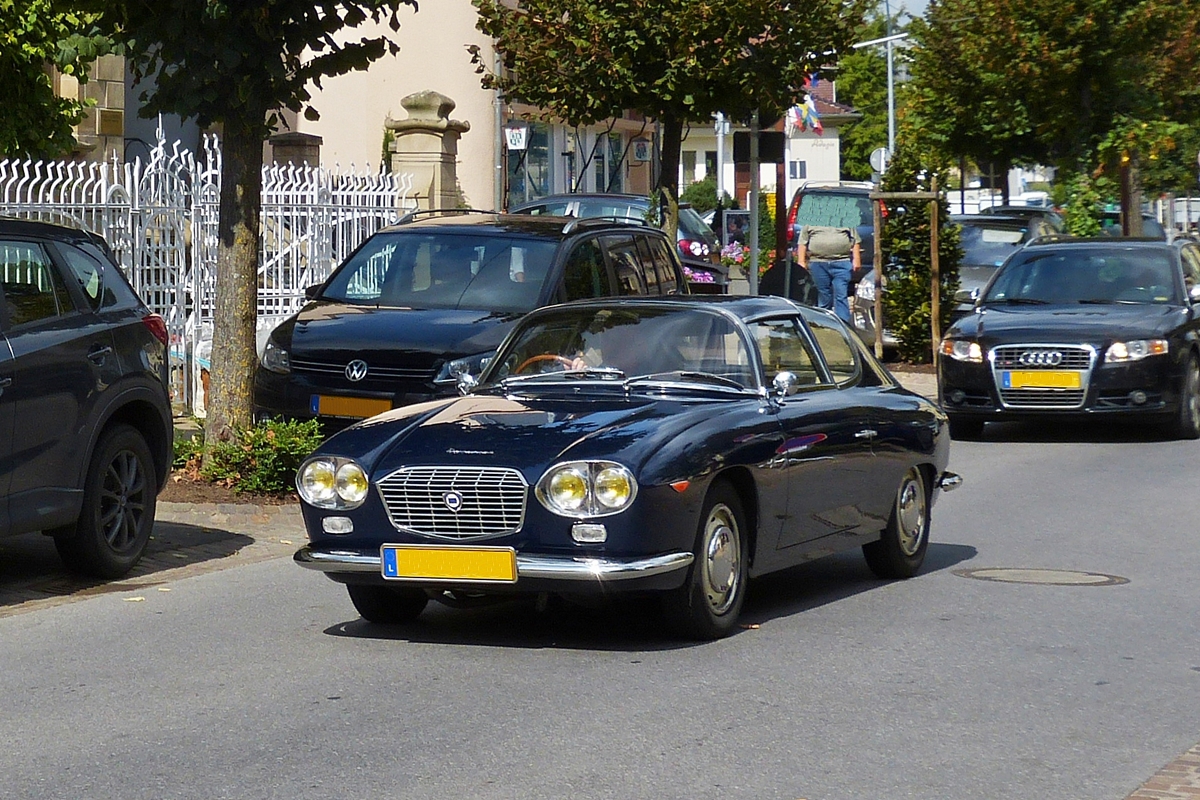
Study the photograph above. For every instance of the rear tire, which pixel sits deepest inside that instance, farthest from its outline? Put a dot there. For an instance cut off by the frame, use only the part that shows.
(387, 605)
(119, 498)
(966, 430)
(709, 602)
(900, 552)
(1187, 425)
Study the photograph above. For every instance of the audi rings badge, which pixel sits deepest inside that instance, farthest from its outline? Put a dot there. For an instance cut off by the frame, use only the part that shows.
(1041, 358)
(356, 370)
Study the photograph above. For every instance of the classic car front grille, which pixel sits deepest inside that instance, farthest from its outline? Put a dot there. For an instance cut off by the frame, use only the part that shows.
(456, 503)
(1043, 358)
(373, 372)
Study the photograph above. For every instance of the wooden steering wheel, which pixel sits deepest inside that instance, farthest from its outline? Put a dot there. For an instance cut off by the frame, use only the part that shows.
(566, 362)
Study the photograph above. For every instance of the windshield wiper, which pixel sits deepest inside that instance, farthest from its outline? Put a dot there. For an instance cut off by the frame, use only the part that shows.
(593, 373)
(1024, 301)
(685, 375)
(1096, 301)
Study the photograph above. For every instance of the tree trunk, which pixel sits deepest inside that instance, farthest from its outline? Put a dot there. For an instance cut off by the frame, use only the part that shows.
(234, 354)
(668, 175)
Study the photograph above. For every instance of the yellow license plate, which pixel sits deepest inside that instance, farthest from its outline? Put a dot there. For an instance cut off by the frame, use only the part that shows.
(1042, 379)
(358, 407)
(449, 563)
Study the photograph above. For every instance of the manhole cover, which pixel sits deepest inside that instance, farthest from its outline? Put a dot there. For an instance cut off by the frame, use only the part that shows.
(1047, 577)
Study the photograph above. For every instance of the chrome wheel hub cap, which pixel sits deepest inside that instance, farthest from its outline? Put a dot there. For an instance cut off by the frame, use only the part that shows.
(910, 514)
(722, 559)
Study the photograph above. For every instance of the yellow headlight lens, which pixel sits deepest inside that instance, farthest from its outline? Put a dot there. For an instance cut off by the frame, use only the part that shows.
(568, 489)
(318, 482)
(352, 483)
(614, 487)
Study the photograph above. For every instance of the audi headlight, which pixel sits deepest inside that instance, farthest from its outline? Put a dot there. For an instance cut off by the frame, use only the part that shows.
(582, 489)
(334, 483)
(1135, 350)
(962, 350)
(451, 371)
(275, 359)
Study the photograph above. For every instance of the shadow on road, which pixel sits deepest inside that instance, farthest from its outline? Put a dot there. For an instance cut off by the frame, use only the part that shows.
(1066, 431)
(30, 568)
(633, 623)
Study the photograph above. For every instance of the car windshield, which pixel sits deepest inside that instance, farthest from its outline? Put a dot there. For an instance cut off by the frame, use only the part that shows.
(693, 226)
(835, 210)
(983, 245)
(1086, 276)
(694, 345)
(444, 270)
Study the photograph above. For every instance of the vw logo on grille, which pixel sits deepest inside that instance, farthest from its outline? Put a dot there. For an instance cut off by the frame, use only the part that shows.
(1045, 358)
(356, 370)
(453, 501)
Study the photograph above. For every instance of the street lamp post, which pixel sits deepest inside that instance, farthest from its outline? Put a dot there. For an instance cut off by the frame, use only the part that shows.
(891, 83)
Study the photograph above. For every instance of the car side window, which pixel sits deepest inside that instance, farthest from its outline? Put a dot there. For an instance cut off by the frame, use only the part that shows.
(584, 275)
(626, 264)
(662, 263)
(840, 354)
(1190, 256)
(90, 274)
(783, 348)
(648, 267)
(33, 289)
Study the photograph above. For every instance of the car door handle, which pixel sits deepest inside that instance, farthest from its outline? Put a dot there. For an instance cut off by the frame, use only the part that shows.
(867, 434)
(4, 382)
(97, 355)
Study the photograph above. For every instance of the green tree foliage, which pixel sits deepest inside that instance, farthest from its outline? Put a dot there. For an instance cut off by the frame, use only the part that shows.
(676, 61)
(36, 123)
(702, 195)
(905, 241)
(862, 84)
(237, 64)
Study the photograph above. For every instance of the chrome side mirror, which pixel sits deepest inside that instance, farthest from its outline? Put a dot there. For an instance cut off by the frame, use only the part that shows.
(466, 383)
(1194, 293)
(967, 295)
(785, 384)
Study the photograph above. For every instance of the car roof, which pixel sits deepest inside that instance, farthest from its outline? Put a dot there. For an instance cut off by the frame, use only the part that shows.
(745, 307)
(990, 220)
(483, 222)
(1099, 242)
(12, 226)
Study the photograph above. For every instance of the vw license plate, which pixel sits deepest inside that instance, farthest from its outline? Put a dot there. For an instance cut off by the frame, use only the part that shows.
(449, 563)
(355, 407)
(1040, 379)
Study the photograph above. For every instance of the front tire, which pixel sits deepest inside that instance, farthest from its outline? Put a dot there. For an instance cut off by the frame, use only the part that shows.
(119, 497)
(708, 604)
(1187, 426)
(387, 605)
(900, 552)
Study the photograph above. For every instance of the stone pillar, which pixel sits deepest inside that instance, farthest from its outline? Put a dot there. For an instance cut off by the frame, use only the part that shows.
(293, 147)
(426, 146)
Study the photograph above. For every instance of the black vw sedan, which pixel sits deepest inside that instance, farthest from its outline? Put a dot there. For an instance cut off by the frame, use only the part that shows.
(1080, 327)
(676, 446)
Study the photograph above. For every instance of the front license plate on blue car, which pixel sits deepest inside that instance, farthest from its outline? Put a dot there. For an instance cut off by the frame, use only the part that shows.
(449, 563)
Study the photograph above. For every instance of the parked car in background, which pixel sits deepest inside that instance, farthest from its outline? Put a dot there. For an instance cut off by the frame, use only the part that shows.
(674, 446)
(1029, 212)
(85, 410)
(1093, 328)
(427, 300)
(1110, 225)
(699, 250)
(838, 204)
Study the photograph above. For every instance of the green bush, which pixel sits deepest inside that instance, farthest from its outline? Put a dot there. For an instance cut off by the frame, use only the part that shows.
(702, 195)
(907, 302)
(259, 460)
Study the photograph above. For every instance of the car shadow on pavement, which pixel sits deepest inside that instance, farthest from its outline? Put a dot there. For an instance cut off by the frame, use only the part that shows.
(633, 623)
(1074, 432)
(30, 569)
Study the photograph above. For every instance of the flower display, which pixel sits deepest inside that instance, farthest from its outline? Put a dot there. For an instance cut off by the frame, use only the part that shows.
(698, 275)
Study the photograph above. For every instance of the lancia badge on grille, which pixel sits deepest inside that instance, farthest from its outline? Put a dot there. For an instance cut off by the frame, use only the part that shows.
(356, 370)
(453, 501)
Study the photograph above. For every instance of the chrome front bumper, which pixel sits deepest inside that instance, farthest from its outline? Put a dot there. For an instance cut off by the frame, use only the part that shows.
(565, 569)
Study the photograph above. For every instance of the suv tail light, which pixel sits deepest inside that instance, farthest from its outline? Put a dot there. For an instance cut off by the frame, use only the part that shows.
(693, 247)
(157, 326)
(791, 221)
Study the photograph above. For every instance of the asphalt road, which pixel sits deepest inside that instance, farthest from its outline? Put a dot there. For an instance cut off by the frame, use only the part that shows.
(258, 680)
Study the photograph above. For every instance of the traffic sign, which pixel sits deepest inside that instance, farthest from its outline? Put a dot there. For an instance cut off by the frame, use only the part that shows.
(879, 159)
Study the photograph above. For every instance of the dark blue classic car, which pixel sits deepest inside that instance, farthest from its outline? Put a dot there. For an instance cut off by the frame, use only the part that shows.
(673, 445)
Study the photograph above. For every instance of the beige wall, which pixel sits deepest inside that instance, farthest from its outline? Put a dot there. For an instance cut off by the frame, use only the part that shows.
(433, 55)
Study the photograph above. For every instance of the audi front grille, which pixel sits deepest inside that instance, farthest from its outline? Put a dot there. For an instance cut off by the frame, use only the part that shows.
(457, 503)
(1043, 358)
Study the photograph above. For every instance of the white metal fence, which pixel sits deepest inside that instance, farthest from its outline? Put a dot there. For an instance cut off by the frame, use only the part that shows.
(160, 218)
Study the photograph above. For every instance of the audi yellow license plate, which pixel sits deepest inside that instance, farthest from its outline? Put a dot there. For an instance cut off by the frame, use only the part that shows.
(356, 407)
(1040, 379)
(449, 563)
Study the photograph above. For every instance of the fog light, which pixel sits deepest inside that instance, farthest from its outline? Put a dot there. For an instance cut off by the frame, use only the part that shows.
(588, 533)
(1137, 397)
(957, 396)
(337, 525)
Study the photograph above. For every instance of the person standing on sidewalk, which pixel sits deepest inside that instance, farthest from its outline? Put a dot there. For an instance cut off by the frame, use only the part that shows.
(831, 255)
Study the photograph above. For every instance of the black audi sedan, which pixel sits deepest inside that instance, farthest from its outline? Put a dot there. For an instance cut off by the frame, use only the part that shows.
(427, 300)
(1080, 327)
(672, 446)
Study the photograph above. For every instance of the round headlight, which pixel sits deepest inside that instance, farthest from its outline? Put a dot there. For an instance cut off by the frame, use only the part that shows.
(352, 483)
(317, 482)
(614, 487)
(568, 489)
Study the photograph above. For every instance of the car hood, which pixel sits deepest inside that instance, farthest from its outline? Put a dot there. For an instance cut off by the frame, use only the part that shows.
(529, 434)
(1061, 323)
(325, 330)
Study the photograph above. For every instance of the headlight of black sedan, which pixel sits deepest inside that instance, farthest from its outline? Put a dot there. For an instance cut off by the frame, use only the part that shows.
(452, 370)
(581, 489)
(333, 483)
(1135, 350)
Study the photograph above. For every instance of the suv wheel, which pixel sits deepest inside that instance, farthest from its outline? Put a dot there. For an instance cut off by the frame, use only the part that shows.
(119, 497)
